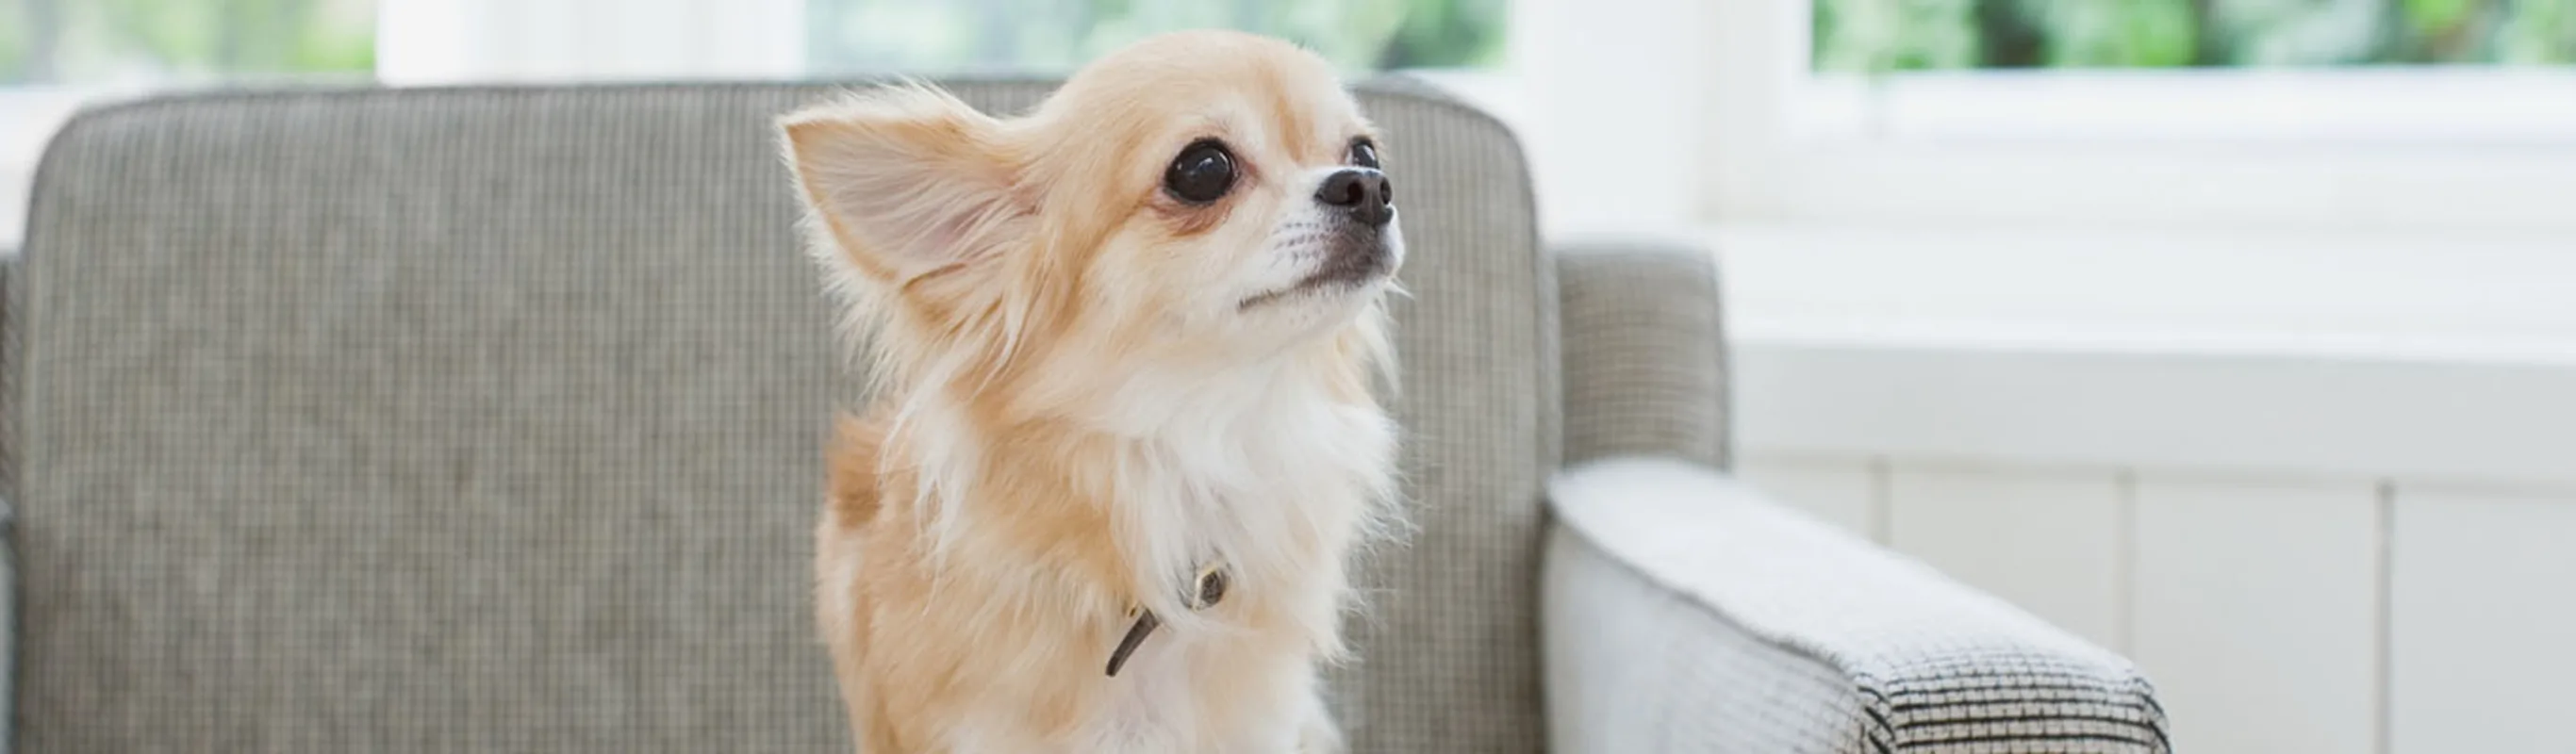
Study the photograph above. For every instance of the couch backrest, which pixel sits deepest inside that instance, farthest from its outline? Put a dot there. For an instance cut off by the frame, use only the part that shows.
(488, 420)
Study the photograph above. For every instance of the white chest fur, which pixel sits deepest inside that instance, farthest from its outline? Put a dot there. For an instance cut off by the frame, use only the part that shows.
(1268, 472)
(1262, 471)
(1276, 480)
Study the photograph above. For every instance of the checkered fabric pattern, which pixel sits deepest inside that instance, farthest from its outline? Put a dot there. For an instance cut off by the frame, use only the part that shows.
(1685, 613)
(1645, 352)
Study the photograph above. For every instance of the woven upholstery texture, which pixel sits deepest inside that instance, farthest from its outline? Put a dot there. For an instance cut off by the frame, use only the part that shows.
(1687, 613)
(487, 419)
(1636, 667)
(1645, 352)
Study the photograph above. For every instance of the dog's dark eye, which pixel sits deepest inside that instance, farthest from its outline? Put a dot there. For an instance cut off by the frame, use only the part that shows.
(1364, 154)
(1202, 173)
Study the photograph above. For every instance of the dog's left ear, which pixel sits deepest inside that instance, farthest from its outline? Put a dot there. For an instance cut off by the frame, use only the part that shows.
(909, 181)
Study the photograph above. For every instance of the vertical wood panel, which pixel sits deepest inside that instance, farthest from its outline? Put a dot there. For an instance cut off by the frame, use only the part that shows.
(1841, 491)
(2482, 622)
(2049, 541)
(2256, 612)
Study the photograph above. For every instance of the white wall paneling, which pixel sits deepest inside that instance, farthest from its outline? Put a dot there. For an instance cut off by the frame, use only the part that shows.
(2253, 414)
(2256, 611)
(2482, 621)
(2051, 541)
(1846, 492)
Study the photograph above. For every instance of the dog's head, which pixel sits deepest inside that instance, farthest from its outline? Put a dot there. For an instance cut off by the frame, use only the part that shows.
(1194, 198)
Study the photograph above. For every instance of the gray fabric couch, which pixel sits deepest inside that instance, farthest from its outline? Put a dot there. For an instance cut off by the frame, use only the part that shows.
(487, 419)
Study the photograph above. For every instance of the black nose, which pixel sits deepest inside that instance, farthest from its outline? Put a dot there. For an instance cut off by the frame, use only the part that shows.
(1362, 191)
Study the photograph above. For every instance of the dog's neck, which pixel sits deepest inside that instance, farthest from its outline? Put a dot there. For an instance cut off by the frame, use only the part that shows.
(1273, 468)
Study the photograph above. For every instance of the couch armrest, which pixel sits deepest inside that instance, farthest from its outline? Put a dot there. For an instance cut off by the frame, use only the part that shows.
(1644, 351)
(9, 276)
(1684, 612)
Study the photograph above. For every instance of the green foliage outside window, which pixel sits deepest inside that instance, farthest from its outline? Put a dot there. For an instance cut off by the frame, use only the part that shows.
(1857, 36)
(57, 41)
(871, 36)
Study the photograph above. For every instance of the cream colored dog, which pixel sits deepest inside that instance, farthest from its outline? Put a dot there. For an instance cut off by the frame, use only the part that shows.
(1123, 442)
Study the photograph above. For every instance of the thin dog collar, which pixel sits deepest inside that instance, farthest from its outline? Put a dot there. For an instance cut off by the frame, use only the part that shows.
(1210, 585)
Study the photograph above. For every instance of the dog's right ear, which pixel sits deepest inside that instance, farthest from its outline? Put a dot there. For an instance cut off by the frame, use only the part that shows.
(908, 180)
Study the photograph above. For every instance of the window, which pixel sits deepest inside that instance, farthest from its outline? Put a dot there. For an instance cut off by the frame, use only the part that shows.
(1866, 36)
(2382, 71)
(59, 42)
(867, 36)
(2290, 115)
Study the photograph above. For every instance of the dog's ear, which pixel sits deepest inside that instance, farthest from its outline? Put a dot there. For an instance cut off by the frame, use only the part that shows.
(908, 180)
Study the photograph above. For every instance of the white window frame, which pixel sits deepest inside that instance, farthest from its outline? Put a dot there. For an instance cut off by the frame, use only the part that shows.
(2422, 149)
(2115, 267)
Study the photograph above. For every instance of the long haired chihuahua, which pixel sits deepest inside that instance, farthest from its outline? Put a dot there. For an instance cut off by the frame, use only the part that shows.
(1123, 437)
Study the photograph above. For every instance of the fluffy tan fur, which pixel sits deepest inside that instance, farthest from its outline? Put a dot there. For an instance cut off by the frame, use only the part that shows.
(1087, 389)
